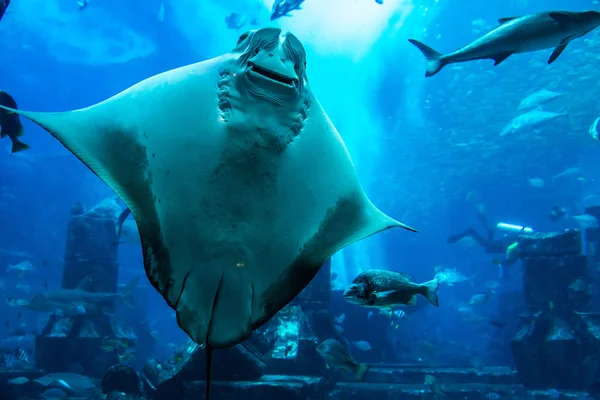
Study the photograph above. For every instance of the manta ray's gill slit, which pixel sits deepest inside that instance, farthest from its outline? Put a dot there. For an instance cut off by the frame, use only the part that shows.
(223, 100)
(301, 119)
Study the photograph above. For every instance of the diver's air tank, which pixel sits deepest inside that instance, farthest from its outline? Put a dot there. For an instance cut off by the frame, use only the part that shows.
(513, 228)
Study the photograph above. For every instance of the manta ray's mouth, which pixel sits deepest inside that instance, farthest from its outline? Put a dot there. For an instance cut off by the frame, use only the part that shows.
(272, 75)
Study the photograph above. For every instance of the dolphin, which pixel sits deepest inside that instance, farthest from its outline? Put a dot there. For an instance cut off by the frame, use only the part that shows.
(545, 30)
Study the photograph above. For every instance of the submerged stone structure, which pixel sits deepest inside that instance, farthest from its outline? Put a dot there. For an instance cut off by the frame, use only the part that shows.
(558, 341)
(91, 340)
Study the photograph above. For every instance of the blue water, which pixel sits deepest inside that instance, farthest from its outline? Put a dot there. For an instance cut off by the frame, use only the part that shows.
(420, 146)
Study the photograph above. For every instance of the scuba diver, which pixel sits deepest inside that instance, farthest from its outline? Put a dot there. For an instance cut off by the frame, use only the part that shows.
(507, 245)
(3, 6)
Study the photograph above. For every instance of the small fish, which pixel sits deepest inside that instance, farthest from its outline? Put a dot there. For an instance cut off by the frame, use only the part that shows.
(362, 345)
(380, 288)
(379, 1)
(235, 21)
(450, 276)
(492, 396)
(83, 4)
(480, 298)
(336, 356)
(54, 394)
(10, 123)
(20, 268)
(557, 213)
(594, 130)
(536, 183)
(161, 12)
(340, 320)
(434, 386)
(21, 380)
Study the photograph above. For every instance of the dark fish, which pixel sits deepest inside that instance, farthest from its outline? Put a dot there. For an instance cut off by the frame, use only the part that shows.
(10, 123)
(336, 356)
(282, 8)
(3, 6)
(235, 21)
(545, 30)
(384, 289)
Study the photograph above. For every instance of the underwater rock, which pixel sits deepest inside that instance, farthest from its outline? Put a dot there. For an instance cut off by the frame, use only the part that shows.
(269, 387)
(556, 282)
(121, 379)
(553, 244)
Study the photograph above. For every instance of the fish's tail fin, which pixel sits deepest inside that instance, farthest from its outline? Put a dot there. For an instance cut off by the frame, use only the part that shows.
(430, 291)
(17, 146)
(122, 217)
(435, 59)
(361, 371)
(129, 290)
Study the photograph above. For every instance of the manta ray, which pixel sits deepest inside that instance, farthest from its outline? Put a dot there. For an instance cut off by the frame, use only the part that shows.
(240, 185)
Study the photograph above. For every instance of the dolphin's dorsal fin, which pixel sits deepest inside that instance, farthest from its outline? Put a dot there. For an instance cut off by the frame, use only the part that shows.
(505, 20)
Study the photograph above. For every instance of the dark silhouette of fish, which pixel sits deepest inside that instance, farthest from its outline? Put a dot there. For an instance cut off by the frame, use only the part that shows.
(10, 123)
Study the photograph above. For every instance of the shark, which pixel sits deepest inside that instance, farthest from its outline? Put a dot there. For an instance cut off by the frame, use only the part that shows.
(528, 33)
(73, 302)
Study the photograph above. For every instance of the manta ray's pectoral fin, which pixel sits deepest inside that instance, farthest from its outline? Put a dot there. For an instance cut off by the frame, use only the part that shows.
(498, 58)
(557, 52)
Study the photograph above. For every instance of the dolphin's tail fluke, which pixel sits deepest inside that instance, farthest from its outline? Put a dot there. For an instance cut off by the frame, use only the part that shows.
(435, 59)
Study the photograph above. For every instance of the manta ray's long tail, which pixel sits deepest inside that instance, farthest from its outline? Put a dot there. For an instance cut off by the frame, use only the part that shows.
(435, 59)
